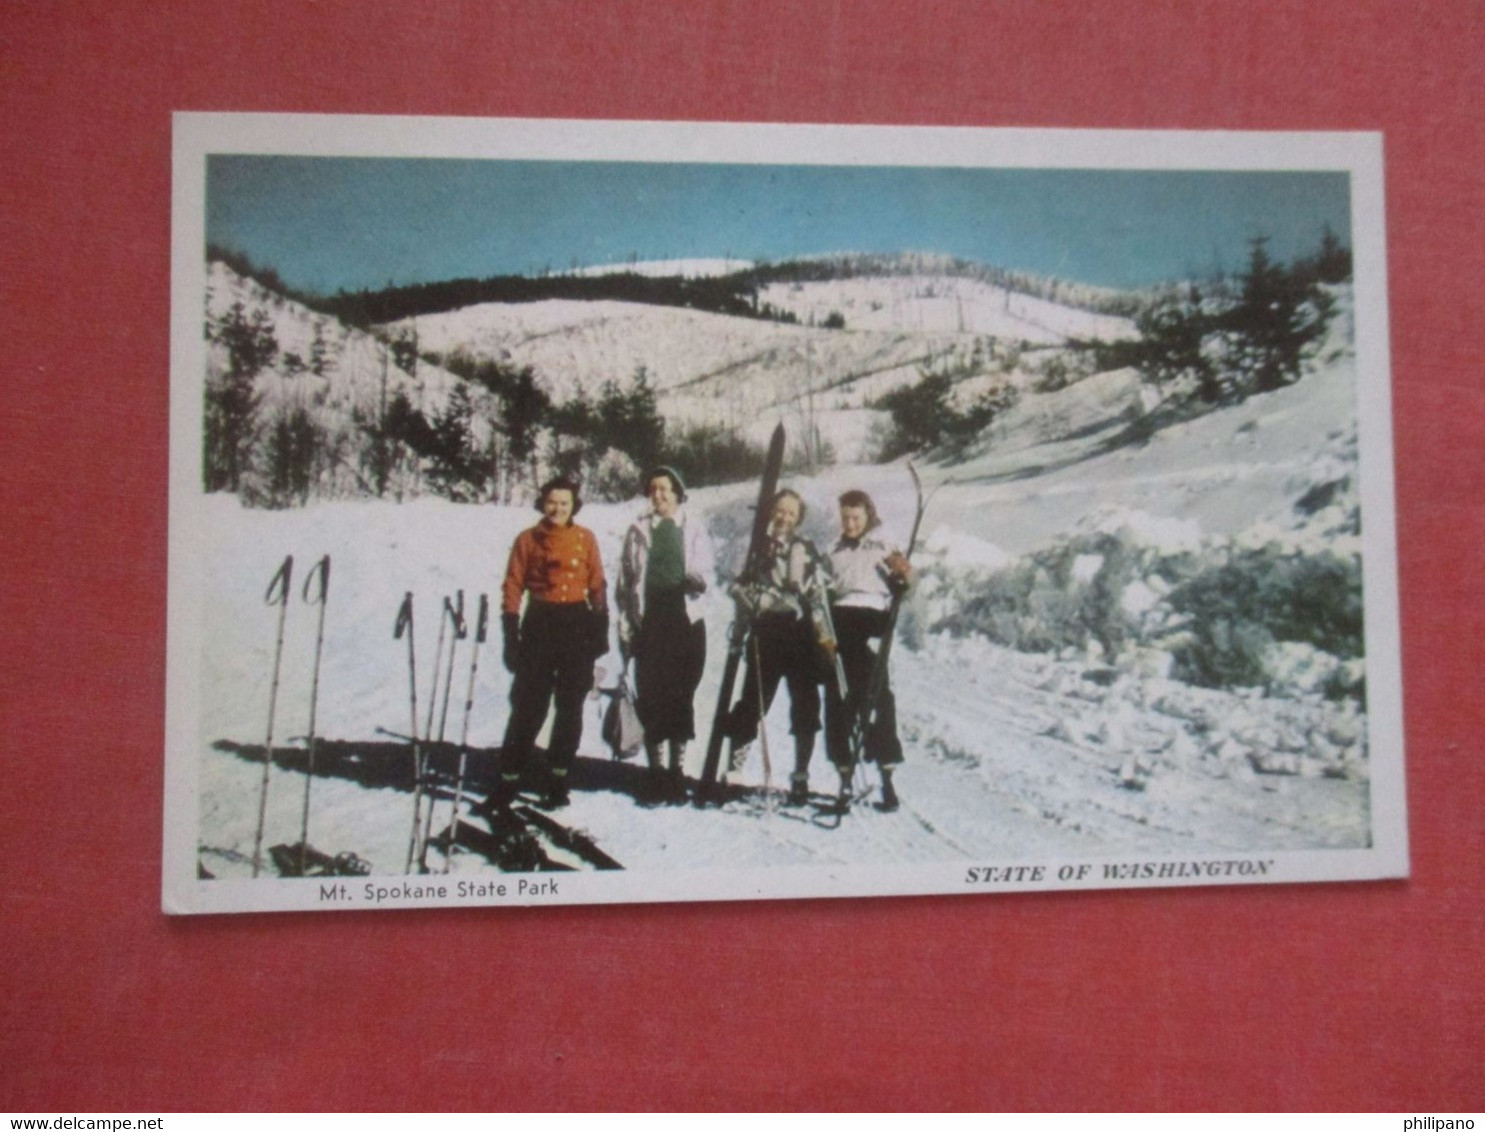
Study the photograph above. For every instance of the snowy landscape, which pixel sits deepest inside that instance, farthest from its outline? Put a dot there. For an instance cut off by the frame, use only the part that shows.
(1053, 669)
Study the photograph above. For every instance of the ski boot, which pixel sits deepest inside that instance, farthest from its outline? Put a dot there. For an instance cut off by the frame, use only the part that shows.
(799, 790)
(846, 795)
(652, 787)
(799, 781)
(500, 799)
(889, 802)
(675, 777)
(557, 795)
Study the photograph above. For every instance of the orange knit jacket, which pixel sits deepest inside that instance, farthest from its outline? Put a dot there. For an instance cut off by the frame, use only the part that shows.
(554, 564)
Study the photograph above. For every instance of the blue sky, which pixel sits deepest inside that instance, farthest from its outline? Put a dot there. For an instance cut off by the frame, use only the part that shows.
(330, 223)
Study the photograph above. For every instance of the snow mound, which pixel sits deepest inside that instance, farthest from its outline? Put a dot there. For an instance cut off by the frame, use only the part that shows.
(1167, 533)
(965, 550)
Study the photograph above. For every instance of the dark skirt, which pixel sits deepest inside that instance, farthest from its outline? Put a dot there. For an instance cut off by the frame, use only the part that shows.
(669, 655)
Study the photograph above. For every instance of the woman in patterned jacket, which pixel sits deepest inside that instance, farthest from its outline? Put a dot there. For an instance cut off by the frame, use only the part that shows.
(665, 566)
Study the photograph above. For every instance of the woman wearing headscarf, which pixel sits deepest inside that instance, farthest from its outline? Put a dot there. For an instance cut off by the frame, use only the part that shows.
(665, 566)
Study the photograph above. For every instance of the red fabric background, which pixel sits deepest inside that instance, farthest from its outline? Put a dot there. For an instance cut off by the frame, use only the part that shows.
(1343, 996)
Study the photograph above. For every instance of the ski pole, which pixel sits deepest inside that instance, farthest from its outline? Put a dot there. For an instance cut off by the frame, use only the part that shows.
(827, 620)
(453, 615)
(481, 630)
(757, 667)
(320, 571)
(437, 664)
(405, 625)
(276, 594)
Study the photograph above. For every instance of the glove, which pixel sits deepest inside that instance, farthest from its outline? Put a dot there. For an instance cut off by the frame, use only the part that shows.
(899, 572)
(694, 585)
(510, 626)
(747, 599)
(598, 630)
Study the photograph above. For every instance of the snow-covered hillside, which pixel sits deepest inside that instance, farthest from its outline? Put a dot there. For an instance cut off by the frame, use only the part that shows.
(715, 369)
(706, 368)
(353, 364)
(938, 303)
(340, 377)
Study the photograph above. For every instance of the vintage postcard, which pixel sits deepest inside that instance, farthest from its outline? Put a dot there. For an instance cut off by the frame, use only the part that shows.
(577, 512)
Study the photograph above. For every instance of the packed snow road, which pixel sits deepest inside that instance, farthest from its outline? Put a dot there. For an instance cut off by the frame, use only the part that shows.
(1006, 753)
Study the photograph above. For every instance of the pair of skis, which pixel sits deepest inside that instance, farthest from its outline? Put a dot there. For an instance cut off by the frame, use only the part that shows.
(316, 590)
(740, 632)
(453, 627)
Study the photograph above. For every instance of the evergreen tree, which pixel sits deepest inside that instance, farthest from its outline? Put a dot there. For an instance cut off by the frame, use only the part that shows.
(1278, 318)
(525, 408)
(232, 401)
(711, 454)
(916, 421)
(1225, 347)
(319, 358)
(1171, 349)
(574, 426)
(404, 346)
(1330, 264)
(454, 467)
(930, 415)
(644, 426)
(292, 454)
(379, 456)
(629, 420)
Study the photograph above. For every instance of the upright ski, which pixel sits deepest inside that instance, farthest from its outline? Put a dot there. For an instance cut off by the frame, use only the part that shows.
(741, 628)
(277, 594)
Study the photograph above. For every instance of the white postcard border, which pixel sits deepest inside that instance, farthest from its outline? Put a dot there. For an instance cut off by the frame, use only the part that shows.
(1359, 154)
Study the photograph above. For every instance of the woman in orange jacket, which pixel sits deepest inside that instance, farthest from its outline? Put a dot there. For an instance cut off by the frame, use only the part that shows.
(550, 650)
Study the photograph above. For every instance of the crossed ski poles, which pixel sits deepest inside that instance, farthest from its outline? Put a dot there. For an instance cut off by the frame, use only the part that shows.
(423, 745)
(277, 594)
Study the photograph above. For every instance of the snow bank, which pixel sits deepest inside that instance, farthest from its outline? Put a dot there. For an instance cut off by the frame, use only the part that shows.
(1165, 533)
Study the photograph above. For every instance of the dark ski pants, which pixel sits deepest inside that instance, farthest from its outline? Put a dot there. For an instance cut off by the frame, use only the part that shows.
(857, 628)
(556, 662)
(782, 648)
(669, 655)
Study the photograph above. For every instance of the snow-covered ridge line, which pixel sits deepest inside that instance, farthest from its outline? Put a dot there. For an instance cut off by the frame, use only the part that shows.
(667, 268)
